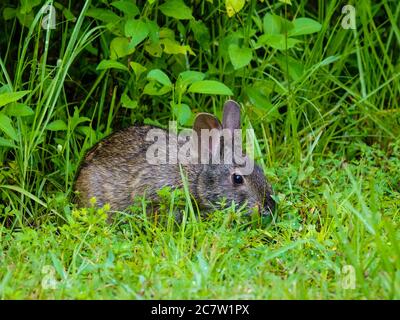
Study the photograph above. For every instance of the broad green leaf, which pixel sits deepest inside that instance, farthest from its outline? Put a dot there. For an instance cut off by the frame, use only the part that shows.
(119, 47)
(76, 119)
(138, 69)
(304, 26)
(7, 127)
(277, 41)
(188, 77)
(127, 7)
(272, 24)
(27, 5)
(176, 9)
(286, 1)
(233, 6)
(18, 110)
(173, 47)
(154, 30)
(182, 112)
(57, 125)
(210, 87)
(257, 99)
(167, 33)
(154, 88)
(240, 57)
(137, 30)
(103, 15)
(9, 13)
(111, 64)
(153, 48)
(159, 76)
(25, 19)
(68, 14)
(128, 102)
(8, 97)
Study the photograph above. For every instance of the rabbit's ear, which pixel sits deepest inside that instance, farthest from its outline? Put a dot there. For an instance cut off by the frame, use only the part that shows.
(206, 121)
(231, 117)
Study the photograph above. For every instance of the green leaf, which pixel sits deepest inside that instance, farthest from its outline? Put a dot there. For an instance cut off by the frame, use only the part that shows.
(76, 119)
(176, 9)
(128, 102)
(233, 6)
(111, 64)
(138, 69)
(18, 110)
(68, 14)
(7, 127)
(57, 125)
(210, 87)
(182, 112)
(272, 24)
(153, 48)
(9, 13)
(258, 100)
(127, 7)
(137, 30)
(304, 26)
(173, 47)
(25, 19)
(154, 88)
(119, 47)
(188, 77)
(277, 41)
(8, 97)
(28, 5)
(103, 15)
(159, 76)
(154, 30)
(240, 57)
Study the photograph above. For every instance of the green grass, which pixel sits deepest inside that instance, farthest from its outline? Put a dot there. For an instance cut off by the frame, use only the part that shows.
(326, 119)
(330, 218)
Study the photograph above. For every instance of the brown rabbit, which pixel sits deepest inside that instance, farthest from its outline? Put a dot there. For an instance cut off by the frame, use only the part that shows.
(116, 170)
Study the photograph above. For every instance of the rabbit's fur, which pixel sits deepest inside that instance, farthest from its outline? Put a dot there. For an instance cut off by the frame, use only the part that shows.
(115, 171)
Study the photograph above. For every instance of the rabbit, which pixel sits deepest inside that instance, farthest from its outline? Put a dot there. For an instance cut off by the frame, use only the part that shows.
(115, 170)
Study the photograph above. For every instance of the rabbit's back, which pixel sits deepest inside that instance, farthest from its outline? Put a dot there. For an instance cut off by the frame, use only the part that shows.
(116, 170)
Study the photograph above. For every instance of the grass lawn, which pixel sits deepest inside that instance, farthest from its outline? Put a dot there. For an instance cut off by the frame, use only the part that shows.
(324, 103)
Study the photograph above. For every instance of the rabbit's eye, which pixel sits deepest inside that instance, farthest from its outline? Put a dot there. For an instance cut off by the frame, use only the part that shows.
(237, 179)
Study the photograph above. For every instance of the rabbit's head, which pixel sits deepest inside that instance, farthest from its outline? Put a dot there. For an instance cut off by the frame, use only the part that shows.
(242, 182)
